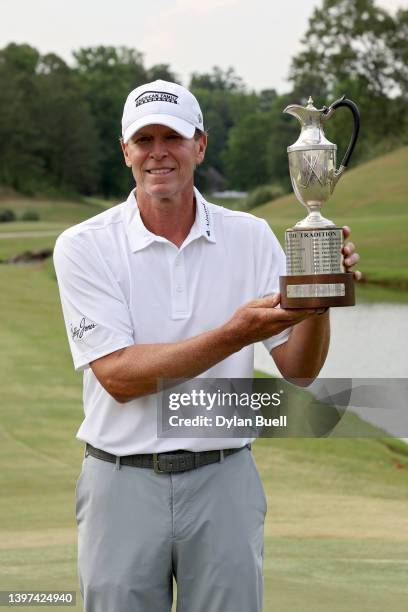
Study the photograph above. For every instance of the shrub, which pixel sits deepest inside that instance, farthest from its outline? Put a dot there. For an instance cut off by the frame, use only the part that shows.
(263, 194)
(7, 215)
(30, 215)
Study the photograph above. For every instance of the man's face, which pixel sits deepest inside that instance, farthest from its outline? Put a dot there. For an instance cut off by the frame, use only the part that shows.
(162, 160)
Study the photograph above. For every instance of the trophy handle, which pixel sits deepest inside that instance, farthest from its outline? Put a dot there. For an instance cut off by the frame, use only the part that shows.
(343, 101)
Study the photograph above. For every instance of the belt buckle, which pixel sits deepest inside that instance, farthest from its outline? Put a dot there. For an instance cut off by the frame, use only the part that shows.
(156, 464)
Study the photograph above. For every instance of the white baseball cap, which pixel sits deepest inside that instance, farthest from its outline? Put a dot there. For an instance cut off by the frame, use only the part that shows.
(163, 103)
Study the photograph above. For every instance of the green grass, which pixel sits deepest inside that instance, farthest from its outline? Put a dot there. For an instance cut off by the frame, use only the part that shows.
(335, 574)
(336, 514)
(19, 227)
(39, 457)
(371, 293)
(336, 535)
(231, 203)
(55, 216)
(13, 246)
(54, 210)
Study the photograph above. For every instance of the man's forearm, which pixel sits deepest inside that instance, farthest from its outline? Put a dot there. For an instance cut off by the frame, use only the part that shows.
(134, 370)
(304, 354)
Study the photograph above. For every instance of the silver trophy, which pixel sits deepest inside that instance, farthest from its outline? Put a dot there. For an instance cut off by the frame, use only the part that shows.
(315, 274)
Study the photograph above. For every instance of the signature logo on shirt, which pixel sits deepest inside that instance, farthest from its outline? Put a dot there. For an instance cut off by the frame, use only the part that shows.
(84, 326)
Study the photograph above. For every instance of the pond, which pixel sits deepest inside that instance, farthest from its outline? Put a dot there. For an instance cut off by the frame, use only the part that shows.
(367, 341)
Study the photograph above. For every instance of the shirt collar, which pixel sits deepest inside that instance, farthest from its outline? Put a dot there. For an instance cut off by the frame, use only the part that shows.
(205, 217)
(140, 237)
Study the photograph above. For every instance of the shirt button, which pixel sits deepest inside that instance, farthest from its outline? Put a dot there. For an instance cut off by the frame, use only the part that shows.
(179, 288)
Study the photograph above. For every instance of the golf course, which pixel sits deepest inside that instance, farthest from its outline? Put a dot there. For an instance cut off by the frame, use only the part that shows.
(336, 533)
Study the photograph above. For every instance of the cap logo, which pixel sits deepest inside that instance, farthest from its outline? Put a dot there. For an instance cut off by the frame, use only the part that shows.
(156, 96)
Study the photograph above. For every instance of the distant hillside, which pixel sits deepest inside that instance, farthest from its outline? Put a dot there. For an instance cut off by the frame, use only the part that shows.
(373, 200)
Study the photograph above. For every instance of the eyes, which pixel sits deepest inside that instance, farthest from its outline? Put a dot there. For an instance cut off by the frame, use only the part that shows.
(143, 139)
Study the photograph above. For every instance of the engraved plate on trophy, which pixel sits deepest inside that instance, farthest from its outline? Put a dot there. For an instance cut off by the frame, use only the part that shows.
(315, 275)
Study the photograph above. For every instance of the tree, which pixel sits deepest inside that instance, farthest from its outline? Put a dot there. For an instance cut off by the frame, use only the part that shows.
(351, 39)
(22, 59)
(246, 155)
(248, 134)
(52, 64)
(221, 110)
(224, 101)
(217, 80)
(47, 135)
(108, 74)
(353, 47)
(399, 48)
(257, 144)
(161, 71)
(69, 139)
(21, 167)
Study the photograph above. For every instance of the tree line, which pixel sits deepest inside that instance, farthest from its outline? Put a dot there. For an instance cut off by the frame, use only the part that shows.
(60, 124)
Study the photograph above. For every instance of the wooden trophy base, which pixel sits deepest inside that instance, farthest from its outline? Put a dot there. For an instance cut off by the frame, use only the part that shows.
(317, 290)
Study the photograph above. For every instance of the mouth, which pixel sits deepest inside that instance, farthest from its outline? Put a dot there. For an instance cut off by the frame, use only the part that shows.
(160, 171)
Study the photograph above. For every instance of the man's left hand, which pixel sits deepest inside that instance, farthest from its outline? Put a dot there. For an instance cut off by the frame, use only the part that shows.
(350, 257)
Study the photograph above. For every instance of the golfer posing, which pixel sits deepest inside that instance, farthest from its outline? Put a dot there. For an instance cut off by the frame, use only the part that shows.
(167, 285)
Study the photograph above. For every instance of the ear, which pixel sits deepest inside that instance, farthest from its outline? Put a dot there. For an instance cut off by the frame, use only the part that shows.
(126, 153)
(201, 148)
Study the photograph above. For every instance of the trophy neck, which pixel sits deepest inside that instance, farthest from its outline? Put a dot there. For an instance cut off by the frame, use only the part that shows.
(314, 219)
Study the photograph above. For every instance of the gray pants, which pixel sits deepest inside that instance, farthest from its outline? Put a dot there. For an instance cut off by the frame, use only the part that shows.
(137, 529)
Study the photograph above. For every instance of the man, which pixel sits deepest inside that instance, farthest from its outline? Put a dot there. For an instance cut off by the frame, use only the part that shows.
(162, 286)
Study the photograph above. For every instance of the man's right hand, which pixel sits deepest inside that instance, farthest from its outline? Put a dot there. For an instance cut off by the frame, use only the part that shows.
(260, 319)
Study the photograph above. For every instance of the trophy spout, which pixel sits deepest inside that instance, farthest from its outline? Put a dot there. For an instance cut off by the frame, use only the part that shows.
(311, 121)
(297, 111)
(306, 115)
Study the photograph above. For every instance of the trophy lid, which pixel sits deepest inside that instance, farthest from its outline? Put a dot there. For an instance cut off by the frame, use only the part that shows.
(312, 134)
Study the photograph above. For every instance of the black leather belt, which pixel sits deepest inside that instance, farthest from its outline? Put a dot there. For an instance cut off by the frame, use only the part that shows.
(166, 463)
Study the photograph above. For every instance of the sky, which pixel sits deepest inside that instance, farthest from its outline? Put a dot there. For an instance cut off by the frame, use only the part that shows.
(256, 37)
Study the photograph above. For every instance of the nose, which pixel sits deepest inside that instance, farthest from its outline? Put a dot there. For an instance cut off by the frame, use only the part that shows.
(158, 149)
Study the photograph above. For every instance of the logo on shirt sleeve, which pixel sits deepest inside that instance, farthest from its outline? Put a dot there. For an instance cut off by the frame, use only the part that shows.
(79, 331)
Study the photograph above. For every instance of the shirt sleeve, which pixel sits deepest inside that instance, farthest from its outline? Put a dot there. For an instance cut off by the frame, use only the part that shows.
(96, 315)
(272, 267)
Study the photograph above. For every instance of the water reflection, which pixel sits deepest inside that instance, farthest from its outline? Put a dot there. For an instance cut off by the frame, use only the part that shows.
(367, 341)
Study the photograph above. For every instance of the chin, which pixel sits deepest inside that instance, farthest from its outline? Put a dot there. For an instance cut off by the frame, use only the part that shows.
(162, 191)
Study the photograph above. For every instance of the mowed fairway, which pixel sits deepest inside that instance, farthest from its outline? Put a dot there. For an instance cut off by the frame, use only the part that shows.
(40, 407)
(337, 525)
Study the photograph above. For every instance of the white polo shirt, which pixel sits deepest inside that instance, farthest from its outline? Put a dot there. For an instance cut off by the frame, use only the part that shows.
(121, 285)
